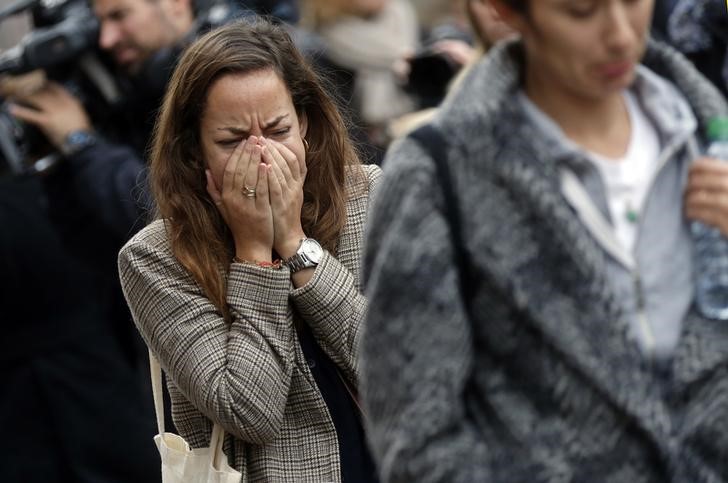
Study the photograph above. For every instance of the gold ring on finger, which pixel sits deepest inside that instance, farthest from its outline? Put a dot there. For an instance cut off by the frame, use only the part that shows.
(248, 192)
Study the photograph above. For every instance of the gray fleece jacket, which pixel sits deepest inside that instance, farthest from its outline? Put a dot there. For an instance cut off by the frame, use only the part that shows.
(655, 295)
(548, 380)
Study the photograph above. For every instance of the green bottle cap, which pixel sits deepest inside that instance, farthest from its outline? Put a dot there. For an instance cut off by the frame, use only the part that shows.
(718, 129)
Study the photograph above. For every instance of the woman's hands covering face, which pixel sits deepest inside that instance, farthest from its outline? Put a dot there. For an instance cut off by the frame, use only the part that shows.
(285, 185)
(244, 202)
(261, 198)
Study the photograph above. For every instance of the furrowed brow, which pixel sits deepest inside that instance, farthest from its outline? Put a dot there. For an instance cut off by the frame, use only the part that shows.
(275, 121)
(237, 131)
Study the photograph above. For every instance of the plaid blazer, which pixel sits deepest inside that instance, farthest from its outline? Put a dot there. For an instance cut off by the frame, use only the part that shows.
(251, 376)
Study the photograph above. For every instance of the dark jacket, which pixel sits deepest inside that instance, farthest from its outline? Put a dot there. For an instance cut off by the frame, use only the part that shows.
(73, 405)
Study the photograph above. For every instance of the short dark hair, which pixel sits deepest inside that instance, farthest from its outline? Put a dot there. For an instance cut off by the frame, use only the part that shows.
(518, 5)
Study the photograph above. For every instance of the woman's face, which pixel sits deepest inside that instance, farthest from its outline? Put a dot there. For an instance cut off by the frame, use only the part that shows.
(242, 105)
(587, 47)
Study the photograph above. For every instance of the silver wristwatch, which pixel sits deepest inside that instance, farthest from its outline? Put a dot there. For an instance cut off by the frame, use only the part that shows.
(309, 254)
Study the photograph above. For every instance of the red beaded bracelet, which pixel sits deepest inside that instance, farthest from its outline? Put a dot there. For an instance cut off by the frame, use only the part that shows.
(262, 263)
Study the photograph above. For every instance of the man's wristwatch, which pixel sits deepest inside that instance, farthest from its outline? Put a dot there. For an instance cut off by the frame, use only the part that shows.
(308, 255)
(77, 141)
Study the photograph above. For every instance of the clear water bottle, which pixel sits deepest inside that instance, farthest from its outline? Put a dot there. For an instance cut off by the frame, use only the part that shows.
(711, 247)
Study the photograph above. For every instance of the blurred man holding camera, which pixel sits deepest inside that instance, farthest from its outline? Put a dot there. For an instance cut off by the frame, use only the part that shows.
(141, 37)
(77, 405)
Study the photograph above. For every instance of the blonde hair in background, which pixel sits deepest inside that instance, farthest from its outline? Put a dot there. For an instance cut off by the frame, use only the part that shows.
(433, 12)
(315, 13)
(318, 13)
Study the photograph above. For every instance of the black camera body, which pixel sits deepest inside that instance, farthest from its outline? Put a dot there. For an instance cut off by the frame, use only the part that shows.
(430, 70)
(430, 74)
(63, 43)
(63, 31)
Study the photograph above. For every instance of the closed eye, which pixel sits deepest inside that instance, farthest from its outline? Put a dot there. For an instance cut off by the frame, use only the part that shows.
(228, 142)
(282, 131)
(581, 9)
(581, 12)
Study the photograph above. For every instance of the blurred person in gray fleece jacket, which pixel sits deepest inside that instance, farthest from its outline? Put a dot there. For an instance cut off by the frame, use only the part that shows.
(575, 353)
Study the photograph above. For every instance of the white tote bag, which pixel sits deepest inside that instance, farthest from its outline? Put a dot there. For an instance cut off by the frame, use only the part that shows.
(180, 464)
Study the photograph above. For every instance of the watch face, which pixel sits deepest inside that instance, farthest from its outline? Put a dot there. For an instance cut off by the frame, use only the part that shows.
(76, 141)
(312, 250)
(78, 137)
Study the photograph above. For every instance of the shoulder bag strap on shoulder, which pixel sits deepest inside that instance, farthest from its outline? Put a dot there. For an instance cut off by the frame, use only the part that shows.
(436, 145)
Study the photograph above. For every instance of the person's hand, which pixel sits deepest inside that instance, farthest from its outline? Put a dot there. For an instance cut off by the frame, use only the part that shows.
(54, 110)
(244, 203)
(286, 196)
(22, 84)
(706, 196)
(458, 51)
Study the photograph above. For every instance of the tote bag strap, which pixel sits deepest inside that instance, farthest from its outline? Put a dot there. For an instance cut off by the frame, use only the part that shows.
(156, 374)
(218, 435)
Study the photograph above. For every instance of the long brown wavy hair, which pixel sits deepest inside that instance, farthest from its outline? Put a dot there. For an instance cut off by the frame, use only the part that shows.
(199, 237)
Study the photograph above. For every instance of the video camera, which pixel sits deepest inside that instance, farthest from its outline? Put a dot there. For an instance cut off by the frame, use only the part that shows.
(431, 71)
(63, 43)
(64, 30)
